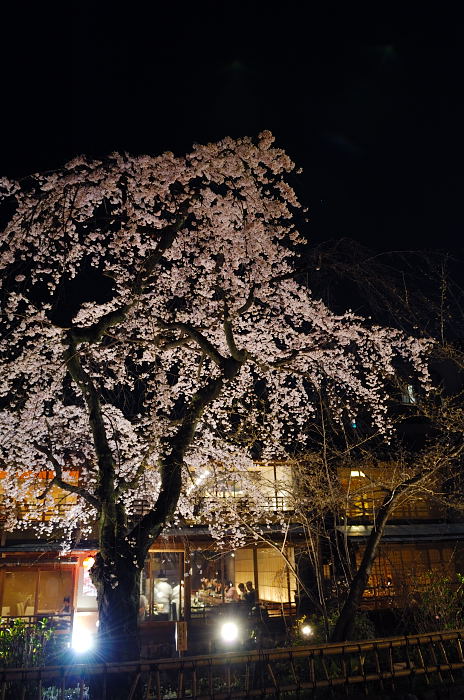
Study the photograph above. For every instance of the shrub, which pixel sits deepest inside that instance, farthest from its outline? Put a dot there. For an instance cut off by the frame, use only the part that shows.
(321, 629)
(23, 645)
(440, 605)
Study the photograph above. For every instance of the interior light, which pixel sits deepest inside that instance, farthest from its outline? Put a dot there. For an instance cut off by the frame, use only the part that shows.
(229, 632)
(356, 472)
(201, 477)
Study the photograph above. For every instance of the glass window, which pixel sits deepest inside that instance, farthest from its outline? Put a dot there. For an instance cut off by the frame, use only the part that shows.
(54, 586)
(19, 592)
(86, 591)
(161, 586)
(212, 572)
(408, 395)
(274, 579)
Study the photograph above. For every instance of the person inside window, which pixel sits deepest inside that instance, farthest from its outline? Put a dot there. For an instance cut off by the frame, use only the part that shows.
(143, 607)
(63, 622)
(66, 607)
(231, 595)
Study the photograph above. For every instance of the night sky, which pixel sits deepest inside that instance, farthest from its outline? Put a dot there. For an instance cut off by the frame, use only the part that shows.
(371, 107)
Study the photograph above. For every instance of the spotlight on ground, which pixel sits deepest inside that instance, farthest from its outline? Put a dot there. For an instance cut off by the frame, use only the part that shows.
(306, 630)
(229, 632)
(82, 641)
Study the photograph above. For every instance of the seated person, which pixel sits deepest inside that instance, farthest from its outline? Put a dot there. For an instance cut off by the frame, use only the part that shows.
(231, 594)
(62, 621)
(66, 607)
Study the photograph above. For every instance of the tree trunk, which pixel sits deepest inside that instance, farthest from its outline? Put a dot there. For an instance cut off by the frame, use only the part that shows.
(344, 624)
(118, 594)
(118, 605)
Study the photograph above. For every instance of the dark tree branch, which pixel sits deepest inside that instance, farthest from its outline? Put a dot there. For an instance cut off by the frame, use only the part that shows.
(106, 471)
(286, 360)
(177, 343)
(151, 524)
(239, 355)
(207, 347)
(59, 481)
(344, 624)
(248, 303)
(95, 332)
(166, 239)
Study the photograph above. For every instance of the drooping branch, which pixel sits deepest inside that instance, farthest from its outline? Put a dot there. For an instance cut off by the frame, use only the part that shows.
(286, 360)
(95, 332)
(172, 344)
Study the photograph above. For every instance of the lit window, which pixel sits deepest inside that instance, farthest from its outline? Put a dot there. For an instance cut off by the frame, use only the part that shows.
(408, 396)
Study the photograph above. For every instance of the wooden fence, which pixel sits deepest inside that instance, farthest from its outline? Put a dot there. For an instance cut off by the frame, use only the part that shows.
(384, 665)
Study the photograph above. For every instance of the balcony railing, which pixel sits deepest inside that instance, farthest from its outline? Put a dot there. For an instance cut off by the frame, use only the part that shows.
(271, 504)
(25, 511)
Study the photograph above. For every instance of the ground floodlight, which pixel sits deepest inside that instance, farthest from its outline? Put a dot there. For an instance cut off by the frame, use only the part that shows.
(306, 630)
(82, 640)
(229, 632)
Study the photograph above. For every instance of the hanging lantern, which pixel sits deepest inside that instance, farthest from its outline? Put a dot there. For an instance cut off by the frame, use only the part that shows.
(88, 562)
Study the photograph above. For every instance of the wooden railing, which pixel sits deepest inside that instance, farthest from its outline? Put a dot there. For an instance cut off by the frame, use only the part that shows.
(280, 609)
(23, 511)
(393, 665)
(272, 504)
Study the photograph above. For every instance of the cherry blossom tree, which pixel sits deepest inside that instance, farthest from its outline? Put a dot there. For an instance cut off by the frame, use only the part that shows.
(191, 344)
